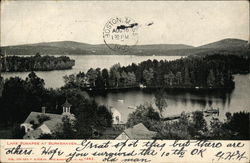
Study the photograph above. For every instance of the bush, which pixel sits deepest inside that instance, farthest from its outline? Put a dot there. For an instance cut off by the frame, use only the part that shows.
(18, 132)
(198, 126)
(105, 118)
(143, 114)
(217, 131)
(175, 130)
(42, 118)
(238, 125)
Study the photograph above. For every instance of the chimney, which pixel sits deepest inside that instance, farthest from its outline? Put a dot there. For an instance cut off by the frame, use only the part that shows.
(43, 109)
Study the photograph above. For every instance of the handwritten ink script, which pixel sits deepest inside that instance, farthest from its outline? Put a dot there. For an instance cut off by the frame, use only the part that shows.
(124, 150)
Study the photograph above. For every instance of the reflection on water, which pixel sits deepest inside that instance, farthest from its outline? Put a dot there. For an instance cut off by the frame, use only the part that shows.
(179, 101)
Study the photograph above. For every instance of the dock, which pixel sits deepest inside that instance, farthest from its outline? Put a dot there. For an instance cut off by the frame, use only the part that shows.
(208, 112)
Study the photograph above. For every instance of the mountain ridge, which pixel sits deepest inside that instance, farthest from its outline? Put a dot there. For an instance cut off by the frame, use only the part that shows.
(73, 47)
(225, 43)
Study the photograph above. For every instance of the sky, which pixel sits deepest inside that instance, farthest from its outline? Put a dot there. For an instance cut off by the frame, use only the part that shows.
(185, 22)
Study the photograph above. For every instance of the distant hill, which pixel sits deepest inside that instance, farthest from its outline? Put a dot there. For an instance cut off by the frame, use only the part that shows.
(226, 46)
(62, 44)
(164, 46)
(226, 43)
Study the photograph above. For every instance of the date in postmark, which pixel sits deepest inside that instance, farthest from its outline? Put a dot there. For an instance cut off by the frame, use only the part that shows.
(120, 34)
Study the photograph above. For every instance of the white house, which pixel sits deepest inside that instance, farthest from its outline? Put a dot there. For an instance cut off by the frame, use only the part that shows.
(48, 126)
(117, 117)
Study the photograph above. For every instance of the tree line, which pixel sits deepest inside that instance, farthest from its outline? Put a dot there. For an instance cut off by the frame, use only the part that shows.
(214, 71)
(20, 97)
(36, 63)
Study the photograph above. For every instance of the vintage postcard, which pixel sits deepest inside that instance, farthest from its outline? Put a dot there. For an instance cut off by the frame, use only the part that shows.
(124, 81)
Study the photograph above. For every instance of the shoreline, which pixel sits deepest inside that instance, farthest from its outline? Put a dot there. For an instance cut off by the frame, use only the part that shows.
(119, 90)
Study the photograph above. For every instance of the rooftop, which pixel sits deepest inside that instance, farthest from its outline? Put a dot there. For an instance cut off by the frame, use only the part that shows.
(53, 124)
(66, 104)
(139, 131)
(33, 116)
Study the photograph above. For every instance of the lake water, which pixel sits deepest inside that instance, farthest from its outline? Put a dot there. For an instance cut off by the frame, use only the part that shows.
(178, 101)
(54, 79)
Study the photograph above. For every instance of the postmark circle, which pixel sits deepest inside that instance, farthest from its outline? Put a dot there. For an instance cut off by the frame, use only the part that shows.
(120, 34)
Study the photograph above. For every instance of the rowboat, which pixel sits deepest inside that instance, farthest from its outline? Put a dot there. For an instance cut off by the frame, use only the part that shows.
(121, 101)
(131, 107)
(212, 111)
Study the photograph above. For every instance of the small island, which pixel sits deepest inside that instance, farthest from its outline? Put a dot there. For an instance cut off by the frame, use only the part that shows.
(36, 63)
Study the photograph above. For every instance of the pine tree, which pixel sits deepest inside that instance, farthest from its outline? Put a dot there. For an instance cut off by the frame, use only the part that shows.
(187, 77)
(210, 78)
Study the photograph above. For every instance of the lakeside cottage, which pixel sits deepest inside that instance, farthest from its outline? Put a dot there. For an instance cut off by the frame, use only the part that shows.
(117, 124)
(138, 131)
(116, 116)
(38, 123)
